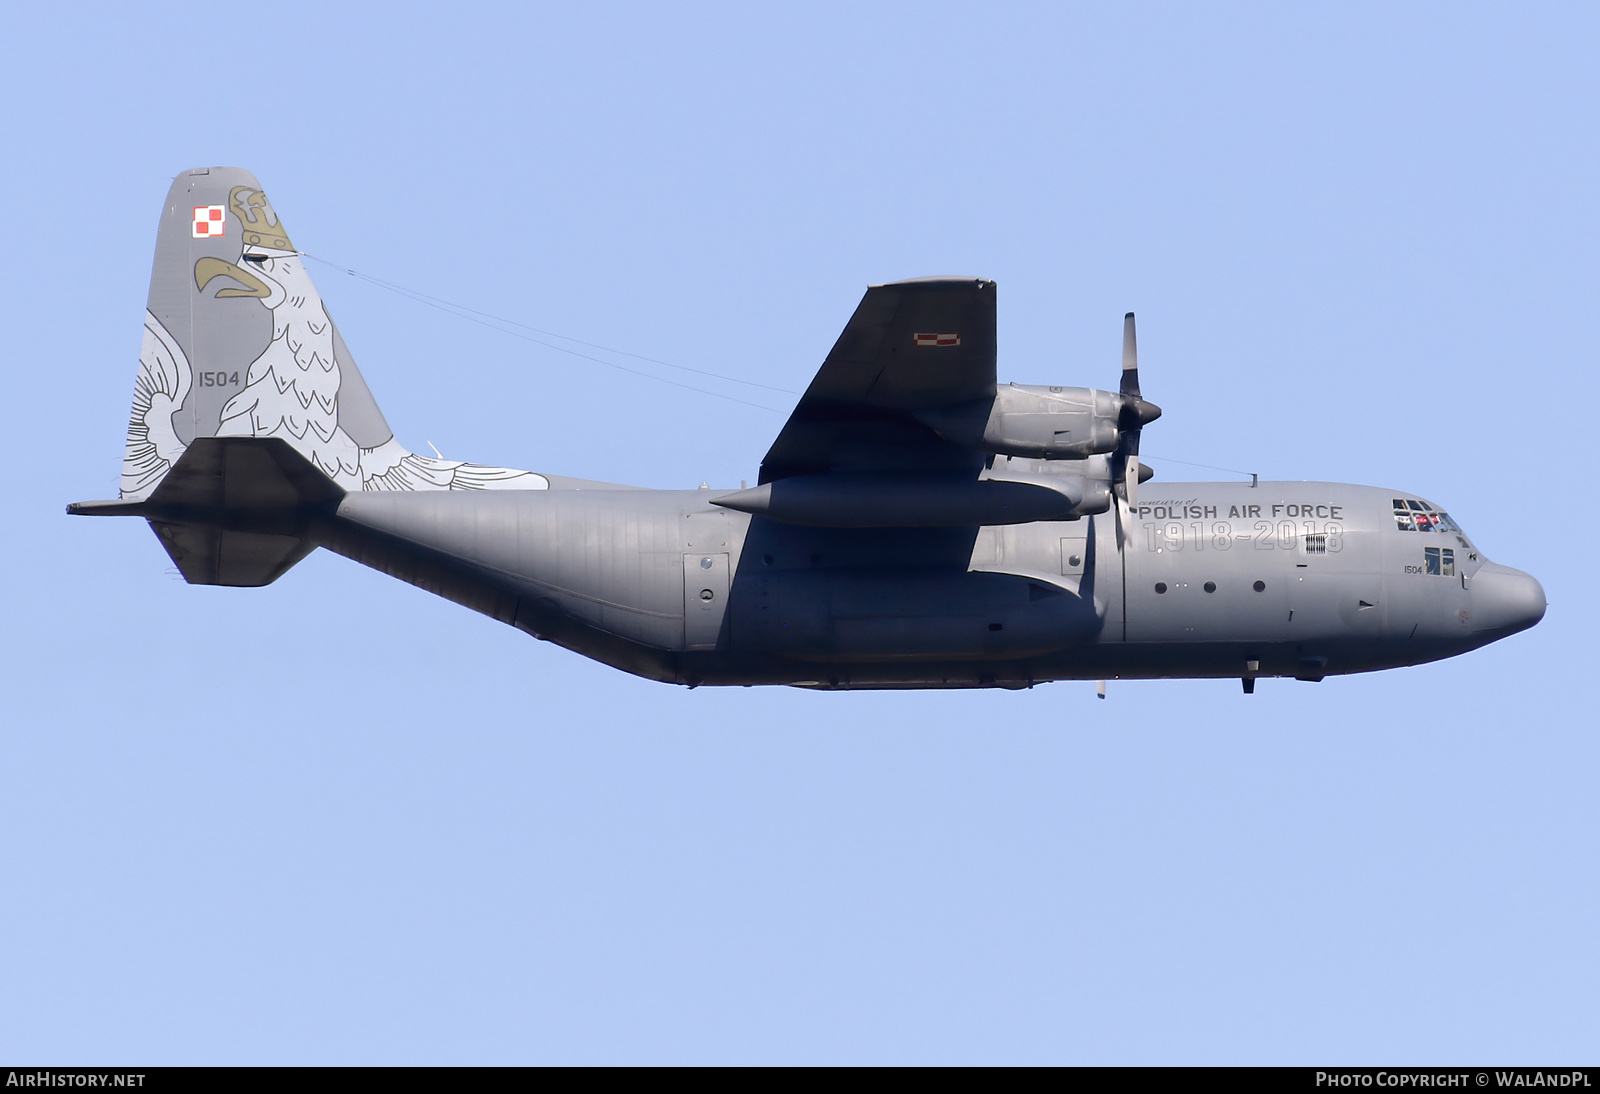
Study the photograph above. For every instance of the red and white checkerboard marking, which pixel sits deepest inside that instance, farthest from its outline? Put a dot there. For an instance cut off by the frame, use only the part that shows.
(209, 221)
(936, 339)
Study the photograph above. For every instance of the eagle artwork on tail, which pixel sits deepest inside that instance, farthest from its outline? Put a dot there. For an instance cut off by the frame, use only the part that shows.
(160, 389)
(292, 389)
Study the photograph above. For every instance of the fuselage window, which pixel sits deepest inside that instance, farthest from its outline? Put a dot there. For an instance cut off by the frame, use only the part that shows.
(1430, 557)
(1449, 564)
(1439, 561)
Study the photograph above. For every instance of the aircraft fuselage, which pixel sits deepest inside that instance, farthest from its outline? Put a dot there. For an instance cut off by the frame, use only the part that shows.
(1199, 580)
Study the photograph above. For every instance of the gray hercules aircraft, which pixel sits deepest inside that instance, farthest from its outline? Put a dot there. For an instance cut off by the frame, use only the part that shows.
(916, 525)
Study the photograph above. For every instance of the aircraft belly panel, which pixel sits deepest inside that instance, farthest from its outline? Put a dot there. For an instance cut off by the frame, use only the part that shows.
(886, 615)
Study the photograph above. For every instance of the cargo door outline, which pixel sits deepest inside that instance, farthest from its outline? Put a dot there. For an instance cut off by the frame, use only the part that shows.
(1334, 591)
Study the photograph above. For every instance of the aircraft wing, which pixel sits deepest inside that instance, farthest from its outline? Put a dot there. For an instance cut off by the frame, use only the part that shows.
(914, 367)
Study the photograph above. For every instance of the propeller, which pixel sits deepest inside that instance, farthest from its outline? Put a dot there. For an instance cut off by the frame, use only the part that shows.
(1135, 414)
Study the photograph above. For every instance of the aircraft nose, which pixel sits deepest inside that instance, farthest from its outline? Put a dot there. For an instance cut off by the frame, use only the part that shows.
(1505, 600)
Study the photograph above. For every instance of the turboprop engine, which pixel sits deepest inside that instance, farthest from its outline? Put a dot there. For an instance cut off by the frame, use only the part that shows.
(1097, 431)
(1052, 423)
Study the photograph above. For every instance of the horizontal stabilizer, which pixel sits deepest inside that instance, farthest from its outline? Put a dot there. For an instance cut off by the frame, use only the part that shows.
(233, 510)
(241, 473)
(208, 555)
(249, 500)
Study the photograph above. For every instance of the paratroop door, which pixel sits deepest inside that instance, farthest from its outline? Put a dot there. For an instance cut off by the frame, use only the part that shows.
(705, 599)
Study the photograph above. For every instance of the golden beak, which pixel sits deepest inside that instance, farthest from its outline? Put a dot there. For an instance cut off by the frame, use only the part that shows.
(209, 268)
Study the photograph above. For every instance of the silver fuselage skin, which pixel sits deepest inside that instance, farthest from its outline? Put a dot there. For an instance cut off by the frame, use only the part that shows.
(1296, 579)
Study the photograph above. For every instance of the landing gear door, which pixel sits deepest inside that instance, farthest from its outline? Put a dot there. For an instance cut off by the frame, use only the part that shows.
(705, 599)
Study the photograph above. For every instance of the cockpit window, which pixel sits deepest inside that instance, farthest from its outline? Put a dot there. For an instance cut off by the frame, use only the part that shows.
(1419, 516)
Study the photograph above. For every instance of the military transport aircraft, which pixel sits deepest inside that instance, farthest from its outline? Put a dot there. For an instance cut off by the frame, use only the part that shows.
(915, 524)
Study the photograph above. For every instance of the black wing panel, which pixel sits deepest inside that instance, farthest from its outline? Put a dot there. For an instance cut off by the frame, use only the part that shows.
(914, 352)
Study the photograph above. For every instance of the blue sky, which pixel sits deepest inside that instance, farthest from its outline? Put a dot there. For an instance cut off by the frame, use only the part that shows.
(339, 821)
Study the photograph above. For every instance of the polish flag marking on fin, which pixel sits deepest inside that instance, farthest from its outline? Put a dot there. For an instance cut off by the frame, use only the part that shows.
(209, 221)
(936, 339)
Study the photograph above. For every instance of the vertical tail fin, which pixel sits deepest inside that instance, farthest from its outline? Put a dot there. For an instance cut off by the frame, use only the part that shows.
(237, 343)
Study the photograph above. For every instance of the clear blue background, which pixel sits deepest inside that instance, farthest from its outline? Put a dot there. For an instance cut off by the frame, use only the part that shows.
(339, 821)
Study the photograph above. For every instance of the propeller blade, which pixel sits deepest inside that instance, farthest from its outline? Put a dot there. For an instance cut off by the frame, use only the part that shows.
(1130, 358)
(1135, 414)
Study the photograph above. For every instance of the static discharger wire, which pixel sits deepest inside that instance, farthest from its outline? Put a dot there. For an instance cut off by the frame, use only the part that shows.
(1208, 466)
(499, 323)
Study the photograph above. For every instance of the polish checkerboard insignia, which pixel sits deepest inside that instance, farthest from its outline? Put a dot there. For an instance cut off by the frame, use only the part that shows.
(209, 221)
(936, 339)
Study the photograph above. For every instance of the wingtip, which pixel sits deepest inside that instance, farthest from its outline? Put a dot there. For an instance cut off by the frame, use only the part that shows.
(945, 279)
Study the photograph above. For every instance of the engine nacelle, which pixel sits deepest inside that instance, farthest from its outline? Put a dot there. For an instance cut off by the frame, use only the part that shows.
(854, 499)
(1088, 479)
(1052, 423)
